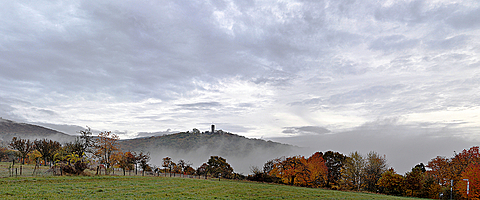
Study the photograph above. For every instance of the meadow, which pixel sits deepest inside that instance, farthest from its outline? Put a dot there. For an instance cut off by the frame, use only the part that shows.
(148, 187)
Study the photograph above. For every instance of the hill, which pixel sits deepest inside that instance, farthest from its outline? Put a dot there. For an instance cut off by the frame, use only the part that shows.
(10, 129)
(240, 152)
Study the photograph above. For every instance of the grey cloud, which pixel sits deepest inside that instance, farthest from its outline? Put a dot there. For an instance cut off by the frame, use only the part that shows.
(367, 94)
(200, 106)
(228, 127)
(312, 101)
(45, 111)
(158, 133)
(305, 130)
(246, 105)
(456, 42)
(64, 128)
(465, 20)
(234, 128)
(410, 12)
(394, 43)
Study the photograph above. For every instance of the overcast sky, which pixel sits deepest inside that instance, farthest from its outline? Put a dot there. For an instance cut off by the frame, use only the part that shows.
(339, 71)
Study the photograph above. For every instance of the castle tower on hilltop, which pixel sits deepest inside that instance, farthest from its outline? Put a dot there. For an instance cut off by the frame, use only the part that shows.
(213, 128)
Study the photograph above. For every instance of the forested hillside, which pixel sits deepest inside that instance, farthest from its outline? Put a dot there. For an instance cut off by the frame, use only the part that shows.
(197, 147)
(223, 142)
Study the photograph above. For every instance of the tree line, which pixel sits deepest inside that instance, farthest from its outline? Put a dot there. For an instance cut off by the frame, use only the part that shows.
(441, 178)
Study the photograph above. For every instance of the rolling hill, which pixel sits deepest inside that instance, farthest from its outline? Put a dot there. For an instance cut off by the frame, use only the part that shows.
(10, 129)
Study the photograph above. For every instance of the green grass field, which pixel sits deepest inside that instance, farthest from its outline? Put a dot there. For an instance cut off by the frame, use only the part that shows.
(137, 187)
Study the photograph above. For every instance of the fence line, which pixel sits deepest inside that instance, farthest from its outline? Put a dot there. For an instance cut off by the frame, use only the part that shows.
(19, 170)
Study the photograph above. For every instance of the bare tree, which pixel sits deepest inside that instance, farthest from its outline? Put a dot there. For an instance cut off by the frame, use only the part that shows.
(24, 147)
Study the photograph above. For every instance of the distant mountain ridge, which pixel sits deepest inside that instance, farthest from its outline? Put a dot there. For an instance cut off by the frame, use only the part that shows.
(10, 129)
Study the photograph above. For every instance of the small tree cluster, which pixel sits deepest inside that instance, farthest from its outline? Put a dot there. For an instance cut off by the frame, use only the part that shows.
(363, 173)
(319, 170)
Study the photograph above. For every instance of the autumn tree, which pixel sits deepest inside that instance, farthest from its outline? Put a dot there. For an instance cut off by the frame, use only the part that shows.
(413, 182)
(189, 170)
(391, 183)
(296, 170)
(430, 189)
(375, 166)
(301, 172)
(217, 165)
(183, 165)
(22, 146)
(125, 160)
(317, 171)
(144, 158)
(74, 147)
(472, 173)
(3, 153)
(106, 144)
(267, 168)
(34, 156)
(352, 172)
(334, 162)
(176, 169)
(440, 170)
(202, 170)
(285, 169)
(167, 164)
(47, 148)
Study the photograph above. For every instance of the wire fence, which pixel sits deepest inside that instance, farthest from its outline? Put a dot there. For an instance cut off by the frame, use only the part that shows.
(30, 170)
(25, 170)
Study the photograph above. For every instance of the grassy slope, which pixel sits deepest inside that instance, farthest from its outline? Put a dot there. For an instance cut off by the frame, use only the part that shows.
(118, 187)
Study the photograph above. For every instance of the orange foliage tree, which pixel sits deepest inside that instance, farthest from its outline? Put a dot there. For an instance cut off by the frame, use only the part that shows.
(460, 163)
(440, 170)
(287, 169)
(125, 160)
(106, 144)
(472, 173)
(318, 176)
(297, 170)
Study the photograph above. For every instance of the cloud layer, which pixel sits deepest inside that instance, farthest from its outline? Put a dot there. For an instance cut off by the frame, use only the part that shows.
(260, 69)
